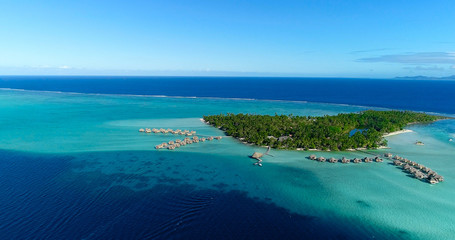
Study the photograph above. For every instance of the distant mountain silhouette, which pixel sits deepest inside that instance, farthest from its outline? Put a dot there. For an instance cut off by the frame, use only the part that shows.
(426, 78)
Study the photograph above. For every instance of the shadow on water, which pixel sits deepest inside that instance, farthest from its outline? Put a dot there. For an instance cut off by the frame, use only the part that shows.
(43, 197)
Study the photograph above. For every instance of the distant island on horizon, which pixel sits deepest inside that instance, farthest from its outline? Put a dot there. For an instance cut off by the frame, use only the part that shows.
(425, 78)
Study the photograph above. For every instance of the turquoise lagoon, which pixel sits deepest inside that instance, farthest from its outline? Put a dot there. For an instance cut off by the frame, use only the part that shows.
(108, 161)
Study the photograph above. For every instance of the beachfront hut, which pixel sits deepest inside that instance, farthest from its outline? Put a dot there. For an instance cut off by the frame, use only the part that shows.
(312, 157)
(333, 160)
(321, 159)
(357, 160)
(345, 160)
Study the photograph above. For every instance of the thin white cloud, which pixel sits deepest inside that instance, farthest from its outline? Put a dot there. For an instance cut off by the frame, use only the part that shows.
(415, 58)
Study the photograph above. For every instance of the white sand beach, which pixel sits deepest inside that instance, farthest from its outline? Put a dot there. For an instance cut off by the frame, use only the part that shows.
(398, 132)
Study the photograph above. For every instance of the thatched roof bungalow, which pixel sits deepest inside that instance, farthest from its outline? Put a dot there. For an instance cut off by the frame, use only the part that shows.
(397, 163)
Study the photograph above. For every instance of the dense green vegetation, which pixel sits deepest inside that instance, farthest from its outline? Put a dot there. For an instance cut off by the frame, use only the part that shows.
(324, 133)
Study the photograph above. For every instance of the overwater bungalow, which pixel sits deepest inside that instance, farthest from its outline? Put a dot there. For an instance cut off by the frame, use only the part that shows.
(195, 137)
(345, 160)
(183, 143)
(147, 130)
(388, 155)
(333, 160)
(210, 138)
(178, 141)
(141, 130)
(312, 157)
(432, 180)
(203, 139)
(321, 159)
(162, 130)
(171, 142)
(419, 175)
(155, 130)
(397, 163)
(159, 146)
(406, 167)
(406, 160)
(378, 159)
(258, 155)
(193, 132)
(164, 144)
(218, 137)
(397, 157)
(195, 140)
(367, 159)
(357, 160)
(439, 178)
(413, 170)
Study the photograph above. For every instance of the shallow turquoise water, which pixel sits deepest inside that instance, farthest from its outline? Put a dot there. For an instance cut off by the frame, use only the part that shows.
(99, 133)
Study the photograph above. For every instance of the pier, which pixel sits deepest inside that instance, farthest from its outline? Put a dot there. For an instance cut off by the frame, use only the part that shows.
(345, 160)
(415, 169)
(173, 144)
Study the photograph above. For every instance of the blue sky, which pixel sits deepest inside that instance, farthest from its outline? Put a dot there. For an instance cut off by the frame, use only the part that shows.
(315, 38)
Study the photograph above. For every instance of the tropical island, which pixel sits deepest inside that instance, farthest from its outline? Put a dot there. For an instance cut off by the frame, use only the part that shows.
(341, 132)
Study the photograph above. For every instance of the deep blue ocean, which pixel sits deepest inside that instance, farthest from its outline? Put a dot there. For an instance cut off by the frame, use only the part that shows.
(429, 96)
(122, 190)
